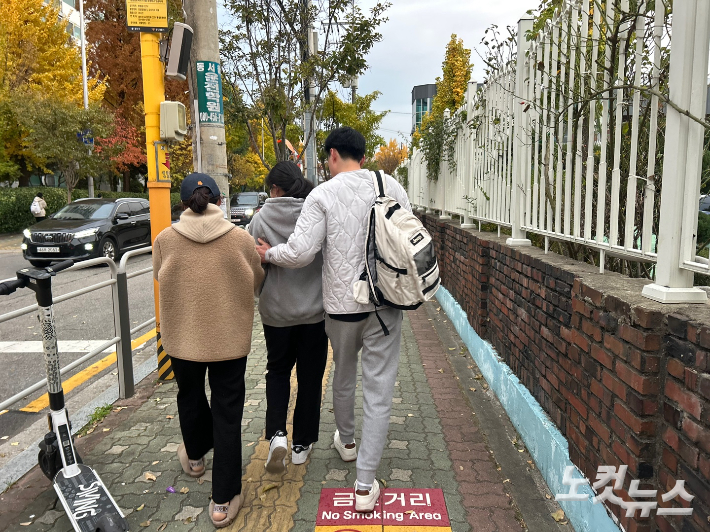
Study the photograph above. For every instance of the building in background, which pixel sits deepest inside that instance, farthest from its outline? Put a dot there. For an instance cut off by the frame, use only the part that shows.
(69, 13)
(422, 96)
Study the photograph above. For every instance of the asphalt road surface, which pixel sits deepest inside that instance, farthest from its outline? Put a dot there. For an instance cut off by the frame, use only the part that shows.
(87, 317)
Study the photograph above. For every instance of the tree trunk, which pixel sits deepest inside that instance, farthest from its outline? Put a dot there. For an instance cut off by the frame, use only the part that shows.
(25, 174)
(68, 195)
(126, 180)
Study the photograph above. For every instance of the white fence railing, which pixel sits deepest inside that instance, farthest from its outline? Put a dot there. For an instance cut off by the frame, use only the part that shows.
(574, 139)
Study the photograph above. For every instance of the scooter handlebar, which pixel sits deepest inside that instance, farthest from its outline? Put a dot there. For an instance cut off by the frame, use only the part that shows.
(8, 287)
(56, 268)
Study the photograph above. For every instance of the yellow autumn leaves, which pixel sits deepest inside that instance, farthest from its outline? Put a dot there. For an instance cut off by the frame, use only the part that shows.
(37, 56)
(451, 87)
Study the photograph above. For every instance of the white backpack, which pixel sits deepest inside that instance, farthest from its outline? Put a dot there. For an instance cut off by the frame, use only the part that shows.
(401, 270)
(35, 208)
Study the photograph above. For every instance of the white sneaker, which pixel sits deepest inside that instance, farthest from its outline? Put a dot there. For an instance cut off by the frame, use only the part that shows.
(276, 462)
(348, 454)
(366, 503)
(299, 454)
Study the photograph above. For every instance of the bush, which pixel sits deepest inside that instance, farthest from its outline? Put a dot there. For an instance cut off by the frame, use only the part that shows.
(15, 204)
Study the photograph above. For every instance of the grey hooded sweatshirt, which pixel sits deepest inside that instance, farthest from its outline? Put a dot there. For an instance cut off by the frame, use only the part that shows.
(289, 296)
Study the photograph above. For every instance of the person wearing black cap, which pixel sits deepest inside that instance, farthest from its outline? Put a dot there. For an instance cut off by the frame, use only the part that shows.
(208, 272)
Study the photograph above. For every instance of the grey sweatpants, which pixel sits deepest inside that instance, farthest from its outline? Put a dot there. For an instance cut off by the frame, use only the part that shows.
(380, 360)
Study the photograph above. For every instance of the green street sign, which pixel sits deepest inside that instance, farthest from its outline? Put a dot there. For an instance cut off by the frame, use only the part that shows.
(209, 93)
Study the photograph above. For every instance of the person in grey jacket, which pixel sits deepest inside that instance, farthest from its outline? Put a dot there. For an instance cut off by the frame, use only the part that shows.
(334, 219)
(291, 308)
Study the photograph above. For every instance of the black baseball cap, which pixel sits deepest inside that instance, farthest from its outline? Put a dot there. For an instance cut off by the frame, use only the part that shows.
(196, 180)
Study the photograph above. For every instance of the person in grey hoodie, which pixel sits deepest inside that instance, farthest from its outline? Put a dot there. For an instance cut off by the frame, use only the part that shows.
(291, 308)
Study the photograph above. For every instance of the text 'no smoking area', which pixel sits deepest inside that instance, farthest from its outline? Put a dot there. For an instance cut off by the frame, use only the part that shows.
(397, 510)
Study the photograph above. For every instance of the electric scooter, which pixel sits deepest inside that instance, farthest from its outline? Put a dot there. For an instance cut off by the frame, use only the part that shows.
(86, 500)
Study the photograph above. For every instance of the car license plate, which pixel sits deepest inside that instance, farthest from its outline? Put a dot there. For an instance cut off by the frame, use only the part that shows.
(47, 250)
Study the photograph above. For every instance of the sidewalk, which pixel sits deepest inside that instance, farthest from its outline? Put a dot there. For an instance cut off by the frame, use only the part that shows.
(10, 241)
(446, 432)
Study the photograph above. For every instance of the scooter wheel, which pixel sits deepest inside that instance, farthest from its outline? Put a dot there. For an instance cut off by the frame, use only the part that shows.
(49, 463)
(111, 523)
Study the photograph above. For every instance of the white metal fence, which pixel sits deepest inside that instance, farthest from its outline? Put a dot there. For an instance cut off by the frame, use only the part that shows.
(574, 139)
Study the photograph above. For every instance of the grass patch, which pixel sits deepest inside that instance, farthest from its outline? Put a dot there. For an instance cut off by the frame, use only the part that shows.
(97, 417)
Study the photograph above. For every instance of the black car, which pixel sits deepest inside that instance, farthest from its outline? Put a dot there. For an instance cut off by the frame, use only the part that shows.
(704, 204)
(244, 206)
(89, 228)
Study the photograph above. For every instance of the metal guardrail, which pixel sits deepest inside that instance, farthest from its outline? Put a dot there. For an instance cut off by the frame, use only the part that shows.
(121, 318)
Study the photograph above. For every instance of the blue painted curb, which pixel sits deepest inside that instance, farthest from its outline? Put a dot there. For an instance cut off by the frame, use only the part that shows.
(542, 438)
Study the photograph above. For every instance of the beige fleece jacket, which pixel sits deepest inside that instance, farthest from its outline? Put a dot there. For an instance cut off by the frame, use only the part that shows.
(208, 271)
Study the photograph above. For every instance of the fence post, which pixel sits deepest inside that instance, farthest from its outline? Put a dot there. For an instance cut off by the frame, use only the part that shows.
(122, 325)
(520, 137)
(682, 155)
(467, 222)
(444, 180)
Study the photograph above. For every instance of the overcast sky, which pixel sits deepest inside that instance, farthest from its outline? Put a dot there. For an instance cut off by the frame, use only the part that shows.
(414, 43)
(413, 46)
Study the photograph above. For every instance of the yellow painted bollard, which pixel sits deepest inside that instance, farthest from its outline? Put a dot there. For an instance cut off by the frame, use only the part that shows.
(165, 370)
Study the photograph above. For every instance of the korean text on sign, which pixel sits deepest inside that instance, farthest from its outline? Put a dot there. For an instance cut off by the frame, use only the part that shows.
(209, 93)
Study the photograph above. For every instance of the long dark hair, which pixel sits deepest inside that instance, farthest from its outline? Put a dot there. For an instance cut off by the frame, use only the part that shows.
(287, 176)
(199, 200)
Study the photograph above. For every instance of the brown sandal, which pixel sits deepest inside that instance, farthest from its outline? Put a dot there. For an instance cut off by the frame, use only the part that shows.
(231, 509)
(190, 467)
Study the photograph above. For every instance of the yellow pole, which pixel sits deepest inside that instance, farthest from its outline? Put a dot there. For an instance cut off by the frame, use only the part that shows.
(158, 172)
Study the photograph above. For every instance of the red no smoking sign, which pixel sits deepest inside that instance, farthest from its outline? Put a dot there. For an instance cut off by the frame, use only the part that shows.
(416, 510)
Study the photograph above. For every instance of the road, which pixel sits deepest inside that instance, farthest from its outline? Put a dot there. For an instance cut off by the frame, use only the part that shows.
(87, 317)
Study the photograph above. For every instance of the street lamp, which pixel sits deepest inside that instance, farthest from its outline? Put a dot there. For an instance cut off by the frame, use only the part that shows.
(90, 179)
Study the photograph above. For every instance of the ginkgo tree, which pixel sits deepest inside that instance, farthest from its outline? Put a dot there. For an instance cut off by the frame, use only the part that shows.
(38, 55)
(37, 60)
(435, 130)
(390, 156)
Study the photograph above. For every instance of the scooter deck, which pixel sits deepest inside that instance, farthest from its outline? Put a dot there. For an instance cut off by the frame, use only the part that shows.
(86, 499)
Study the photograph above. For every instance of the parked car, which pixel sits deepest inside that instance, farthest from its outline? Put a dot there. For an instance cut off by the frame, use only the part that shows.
(89, 228)
(704, 204)
(244, 206)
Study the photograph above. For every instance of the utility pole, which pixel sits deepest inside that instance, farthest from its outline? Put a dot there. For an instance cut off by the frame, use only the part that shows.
(353, 82)
(205, 81)
(308, 46)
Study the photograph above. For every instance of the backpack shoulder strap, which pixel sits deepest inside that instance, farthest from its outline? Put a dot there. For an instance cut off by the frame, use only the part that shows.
(379, 184)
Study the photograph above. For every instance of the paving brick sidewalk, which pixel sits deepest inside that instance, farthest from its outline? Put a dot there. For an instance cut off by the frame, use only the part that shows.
(435, 441)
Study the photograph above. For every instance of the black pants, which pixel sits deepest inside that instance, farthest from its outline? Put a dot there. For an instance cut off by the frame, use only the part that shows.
(40, 218)
(220, 427)
(306, 346)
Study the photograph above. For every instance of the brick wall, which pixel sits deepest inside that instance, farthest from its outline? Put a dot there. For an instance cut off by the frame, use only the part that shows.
(625, 379)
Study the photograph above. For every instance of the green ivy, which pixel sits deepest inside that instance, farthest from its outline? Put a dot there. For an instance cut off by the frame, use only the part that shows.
(438, 143)
(432, 145)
